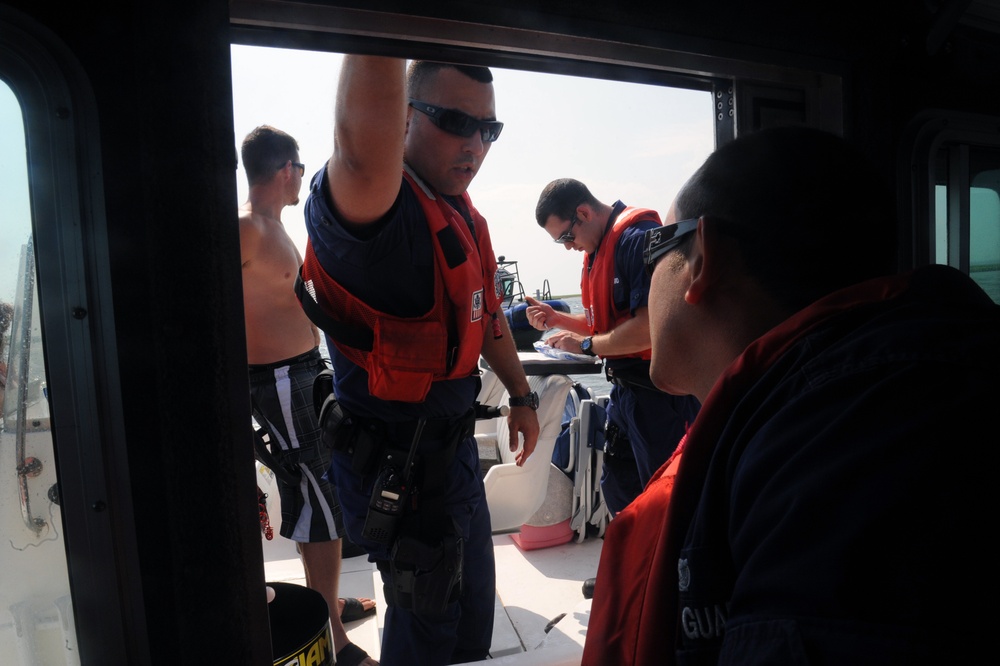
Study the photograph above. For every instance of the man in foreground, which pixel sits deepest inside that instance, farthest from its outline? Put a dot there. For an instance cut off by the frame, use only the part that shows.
(644, 424)
(284, 357)
(400, 274)
(827, 505)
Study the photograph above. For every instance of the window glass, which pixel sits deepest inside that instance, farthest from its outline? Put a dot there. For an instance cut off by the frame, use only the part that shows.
(36, 622)
(978, 237)
(984, 221)
(941, 224)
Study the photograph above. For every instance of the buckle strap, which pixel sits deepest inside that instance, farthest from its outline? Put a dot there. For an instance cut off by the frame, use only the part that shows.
(634, 376)
(403, 431)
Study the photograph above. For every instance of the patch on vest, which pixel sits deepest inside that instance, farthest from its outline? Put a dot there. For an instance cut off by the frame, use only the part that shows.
(497, 286)
(477, 306)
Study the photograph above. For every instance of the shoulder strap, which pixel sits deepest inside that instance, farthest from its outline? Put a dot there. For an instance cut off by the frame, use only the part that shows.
(352, 336)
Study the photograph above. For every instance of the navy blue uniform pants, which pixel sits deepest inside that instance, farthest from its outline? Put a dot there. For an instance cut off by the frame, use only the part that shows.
(464, 631)
(654, 423)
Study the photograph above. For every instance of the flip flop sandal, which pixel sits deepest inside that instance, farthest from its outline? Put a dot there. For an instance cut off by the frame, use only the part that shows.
(354, 610)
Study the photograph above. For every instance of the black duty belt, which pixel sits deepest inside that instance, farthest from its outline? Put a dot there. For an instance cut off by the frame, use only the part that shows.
(631, 376)
(434, 429)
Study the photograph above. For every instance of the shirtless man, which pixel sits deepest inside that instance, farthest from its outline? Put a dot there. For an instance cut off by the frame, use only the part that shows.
(284, 358)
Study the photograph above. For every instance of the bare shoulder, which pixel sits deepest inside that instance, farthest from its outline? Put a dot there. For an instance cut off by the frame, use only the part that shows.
(248, 219)
(251, 231)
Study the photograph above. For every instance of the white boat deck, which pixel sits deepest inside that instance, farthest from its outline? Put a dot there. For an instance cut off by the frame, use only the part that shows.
(533, 587)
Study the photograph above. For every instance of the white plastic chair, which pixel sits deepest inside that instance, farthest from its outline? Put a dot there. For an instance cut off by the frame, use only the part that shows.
(515, 493)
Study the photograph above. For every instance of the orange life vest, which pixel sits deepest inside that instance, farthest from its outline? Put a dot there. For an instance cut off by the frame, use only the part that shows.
(408, 353)
(598, 283)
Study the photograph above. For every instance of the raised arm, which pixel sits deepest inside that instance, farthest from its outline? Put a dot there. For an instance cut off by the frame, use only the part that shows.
(369, 126)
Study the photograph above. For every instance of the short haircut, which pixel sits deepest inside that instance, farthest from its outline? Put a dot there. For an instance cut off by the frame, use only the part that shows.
(560, 198)
(808, 211)
(421, 72)
(265, 150)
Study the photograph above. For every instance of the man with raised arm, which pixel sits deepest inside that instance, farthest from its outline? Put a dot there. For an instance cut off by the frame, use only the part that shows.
(283, 353)
(400, 274)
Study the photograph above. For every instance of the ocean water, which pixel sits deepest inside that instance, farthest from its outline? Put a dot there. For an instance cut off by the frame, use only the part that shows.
(989, 280)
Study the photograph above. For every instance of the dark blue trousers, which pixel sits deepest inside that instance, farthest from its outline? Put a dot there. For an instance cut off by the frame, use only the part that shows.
(654, 423)
(464, 631)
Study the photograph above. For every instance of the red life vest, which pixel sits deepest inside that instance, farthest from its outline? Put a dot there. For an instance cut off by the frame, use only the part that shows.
(408, 353)
(627, 597)
(635, 611)
(598, 282)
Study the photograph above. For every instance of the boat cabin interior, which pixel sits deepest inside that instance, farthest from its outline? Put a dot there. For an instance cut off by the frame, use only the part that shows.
(126, 138)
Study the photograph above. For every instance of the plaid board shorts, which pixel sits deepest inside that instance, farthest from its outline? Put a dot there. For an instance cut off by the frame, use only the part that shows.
(283, 405)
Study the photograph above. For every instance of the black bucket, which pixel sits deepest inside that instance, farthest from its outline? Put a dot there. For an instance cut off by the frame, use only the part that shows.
(300, 627)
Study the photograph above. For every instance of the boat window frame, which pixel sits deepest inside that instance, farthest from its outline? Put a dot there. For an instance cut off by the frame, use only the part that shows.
(929, 137)
(750, 92)
(74, 294)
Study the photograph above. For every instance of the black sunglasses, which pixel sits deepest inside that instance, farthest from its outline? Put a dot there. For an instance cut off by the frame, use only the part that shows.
(660, 240)
(459, 123)
(568, 236)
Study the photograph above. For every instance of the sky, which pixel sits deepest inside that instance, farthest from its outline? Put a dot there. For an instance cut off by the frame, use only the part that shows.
(627, 141)
(633, 142)
(15, 211)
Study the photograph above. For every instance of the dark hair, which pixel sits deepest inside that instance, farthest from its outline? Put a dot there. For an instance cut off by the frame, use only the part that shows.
(421, 71)
(560, 198)
(809, 212)
(265, 150)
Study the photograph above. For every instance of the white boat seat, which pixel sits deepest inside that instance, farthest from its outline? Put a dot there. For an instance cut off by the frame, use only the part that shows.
(515, 493)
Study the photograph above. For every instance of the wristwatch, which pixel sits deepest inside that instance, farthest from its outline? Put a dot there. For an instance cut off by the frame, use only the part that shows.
(587, 346)
(530, 400)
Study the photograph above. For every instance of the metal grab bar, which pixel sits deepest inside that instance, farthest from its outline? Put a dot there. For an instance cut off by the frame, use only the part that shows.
(21, 336)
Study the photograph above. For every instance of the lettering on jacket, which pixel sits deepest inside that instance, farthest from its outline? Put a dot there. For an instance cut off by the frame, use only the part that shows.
(699, 622)
(704, 623)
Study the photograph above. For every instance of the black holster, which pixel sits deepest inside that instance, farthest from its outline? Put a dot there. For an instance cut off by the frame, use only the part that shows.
(342, 432)
(424, 578)
(615, 442)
